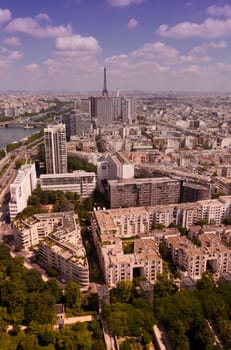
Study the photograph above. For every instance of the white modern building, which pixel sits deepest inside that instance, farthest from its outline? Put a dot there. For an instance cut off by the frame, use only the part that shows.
(21, 189)
(80, 182)
(120, 167)
(116, 166)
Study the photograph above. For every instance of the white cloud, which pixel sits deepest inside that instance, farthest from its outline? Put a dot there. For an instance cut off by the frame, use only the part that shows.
(123, 3)
(32, 26)
(15, 55)
(210, 28)
(78, 43)
(192, 69)
(156, 50)
(202, 49)
(5, 15)
(191, 58)
(33, 67)
(215, 10)
(12, 41)
(43, 17)
(132, 23)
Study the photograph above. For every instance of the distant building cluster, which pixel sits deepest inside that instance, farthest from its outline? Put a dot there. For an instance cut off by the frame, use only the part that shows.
(111, 229)
(162, 160)
(116, 177)
(14, 105)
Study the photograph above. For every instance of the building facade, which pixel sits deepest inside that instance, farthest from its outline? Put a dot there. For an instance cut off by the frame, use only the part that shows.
(21, 189)
(55, 149)
(193, 260)
(60, 243)
(117, 265)
(143, 192)
(77, 123)
(80, 182)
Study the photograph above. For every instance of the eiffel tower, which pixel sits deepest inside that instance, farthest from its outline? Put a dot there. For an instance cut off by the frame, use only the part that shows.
(105, 92)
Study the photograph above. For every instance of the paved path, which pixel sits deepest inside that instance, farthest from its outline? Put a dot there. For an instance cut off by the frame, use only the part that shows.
(71, 320)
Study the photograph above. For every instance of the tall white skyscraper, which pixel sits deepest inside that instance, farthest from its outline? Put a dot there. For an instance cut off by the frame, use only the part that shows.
(55, 149)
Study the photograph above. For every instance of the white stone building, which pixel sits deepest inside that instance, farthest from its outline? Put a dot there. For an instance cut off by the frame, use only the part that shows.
(60, 243)
(21, 189)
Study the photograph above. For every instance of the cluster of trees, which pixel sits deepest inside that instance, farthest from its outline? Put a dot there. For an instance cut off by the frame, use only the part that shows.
(5, 166)
(192, 318)
(63, 201)
(35, 136)
(12, 146)
(26, 300)
(19, 163)
(2, 154)
(75, 163)
(129, 315)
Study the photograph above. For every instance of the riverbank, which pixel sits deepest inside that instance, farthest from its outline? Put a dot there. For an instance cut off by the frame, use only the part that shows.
(14, 134)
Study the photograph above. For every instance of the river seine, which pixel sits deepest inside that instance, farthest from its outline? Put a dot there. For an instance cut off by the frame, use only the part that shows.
(9, 135)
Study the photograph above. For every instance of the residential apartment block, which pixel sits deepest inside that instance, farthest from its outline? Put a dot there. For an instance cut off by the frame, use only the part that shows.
(193, 260)
(60, 243)
(112, 228)
(80, 181)
(55, 149)
(21, 189)
(145, 260)
(77, 123)
(143, 192)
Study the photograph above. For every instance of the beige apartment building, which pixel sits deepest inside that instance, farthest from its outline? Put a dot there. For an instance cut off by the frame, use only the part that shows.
(145, 260)
(193, 260)
(111, 228)
(59, 242)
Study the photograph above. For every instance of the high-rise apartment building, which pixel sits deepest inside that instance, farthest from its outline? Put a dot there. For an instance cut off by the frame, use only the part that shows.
(77, 123)
(55, 149)
(85, 105)
(103, 107)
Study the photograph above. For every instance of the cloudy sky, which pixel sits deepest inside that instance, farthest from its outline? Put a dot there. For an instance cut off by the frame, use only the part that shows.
(152, 45)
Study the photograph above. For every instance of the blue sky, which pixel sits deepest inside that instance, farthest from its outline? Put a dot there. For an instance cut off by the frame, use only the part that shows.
(151, 45)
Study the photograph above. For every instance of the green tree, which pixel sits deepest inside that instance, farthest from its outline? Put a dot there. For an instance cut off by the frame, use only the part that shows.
(73, 296)
(53, 288)
(206, 281)
(123, 293)
(29, 342)
(40, 307)
(2, 154)
(34, 281)
(164, 286)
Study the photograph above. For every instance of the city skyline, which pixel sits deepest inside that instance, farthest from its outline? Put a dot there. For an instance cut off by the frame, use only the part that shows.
(144, 44)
